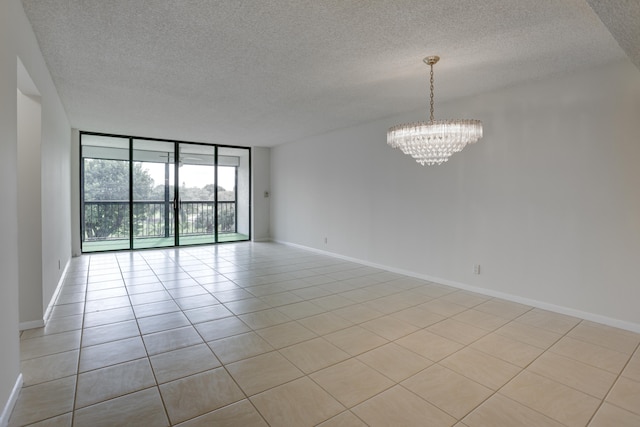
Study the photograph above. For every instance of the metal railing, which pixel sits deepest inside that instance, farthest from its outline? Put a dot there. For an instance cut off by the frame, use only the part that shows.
(109, 219)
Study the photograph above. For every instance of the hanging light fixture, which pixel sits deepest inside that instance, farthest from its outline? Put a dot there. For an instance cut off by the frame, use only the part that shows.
(433, 142)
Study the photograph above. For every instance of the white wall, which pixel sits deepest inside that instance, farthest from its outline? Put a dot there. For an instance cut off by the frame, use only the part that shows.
(30, 210)
(261, 183)
(548, 202)
(17, 40)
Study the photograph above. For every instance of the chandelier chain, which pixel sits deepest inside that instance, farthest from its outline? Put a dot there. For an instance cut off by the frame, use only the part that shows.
(431, 91)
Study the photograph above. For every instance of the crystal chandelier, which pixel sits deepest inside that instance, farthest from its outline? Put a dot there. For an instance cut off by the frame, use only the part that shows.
(433, 142)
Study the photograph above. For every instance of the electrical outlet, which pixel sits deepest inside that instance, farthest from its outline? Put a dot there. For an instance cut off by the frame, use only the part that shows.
(325, 240)
(58, 264)
(266, 194)
(476, 268)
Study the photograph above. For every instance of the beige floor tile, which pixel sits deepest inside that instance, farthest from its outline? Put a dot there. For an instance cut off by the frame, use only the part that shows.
(180, 363)
(394, 361)
(111, 332)
(173, 339)
(632, 370)
(482, 368)
(239, 414)
(333, 302)
(480, 319)
(351, 381)
(467, 299)
(554, 322)
(206, 314)
(107, 303)
(442, 307)
(157, 298)
(286, 334)
(358, 313)
(280, 299)
(606, 336)
(591, 354)
(564, 404)
(196, 301)
(47, 368)
(435, 290)
(457, 331)
(198, 394)
(315, 354)
(137, 286)
(502, 411)
(399, 407)
(43, 401)
(418, 317)
(113, 292)
(232, 295)
(529, 334)
(136, 409)
(70, 298)
(586, 378)
(345, 419)
(325, 323)
(298, 403)
(263, 372)
(503, 308)
(113, 381)
(626, 394)
(389, 327)
(361, 295)
(55, 326)
(301, 310)
(449, 391)
(609, 415)
(355, 340)
(429, 345)
(111, 353)
(311, 292)
(387, 305)
(507, 349)
(162, 322)
(98, 318)
(238, 347)
(49, 344)
(221, 328)
(67, 310)
(261, 291)
(264, 318)
(248, 305)
(59, 421)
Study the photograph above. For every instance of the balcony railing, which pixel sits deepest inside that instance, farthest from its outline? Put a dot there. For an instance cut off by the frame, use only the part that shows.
(109, 219)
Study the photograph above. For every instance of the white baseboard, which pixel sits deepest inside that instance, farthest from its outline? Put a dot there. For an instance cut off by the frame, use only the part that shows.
(605, 320)
(32, 324)
(11, 403)
(54, 297)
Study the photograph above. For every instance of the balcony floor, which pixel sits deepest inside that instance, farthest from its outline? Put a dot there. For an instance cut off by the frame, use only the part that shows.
(160, 242)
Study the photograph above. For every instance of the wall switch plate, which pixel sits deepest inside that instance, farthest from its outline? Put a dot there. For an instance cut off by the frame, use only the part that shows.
(476, 268)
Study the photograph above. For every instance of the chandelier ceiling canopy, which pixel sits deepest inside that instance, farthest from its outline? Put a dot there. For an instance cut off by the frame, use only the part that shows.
(433, 142)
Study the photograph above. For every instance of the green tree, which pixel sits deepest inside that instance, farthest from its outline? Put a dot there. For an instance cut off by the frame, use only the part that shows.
(108, 181)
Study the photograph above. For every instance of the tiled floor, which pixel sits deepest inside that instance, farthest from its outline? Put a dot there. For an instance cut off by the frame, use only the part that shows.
(256, 334)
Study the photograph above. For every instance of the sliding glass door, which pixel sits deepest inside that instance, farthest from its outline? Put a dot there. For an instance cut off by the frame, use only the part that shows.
(153, 194)
(197, 194)
(142, 193)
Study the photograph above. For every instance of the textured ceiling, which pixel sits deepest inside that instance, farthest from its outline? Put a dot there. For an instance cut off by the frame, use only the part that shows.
(267, 72)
